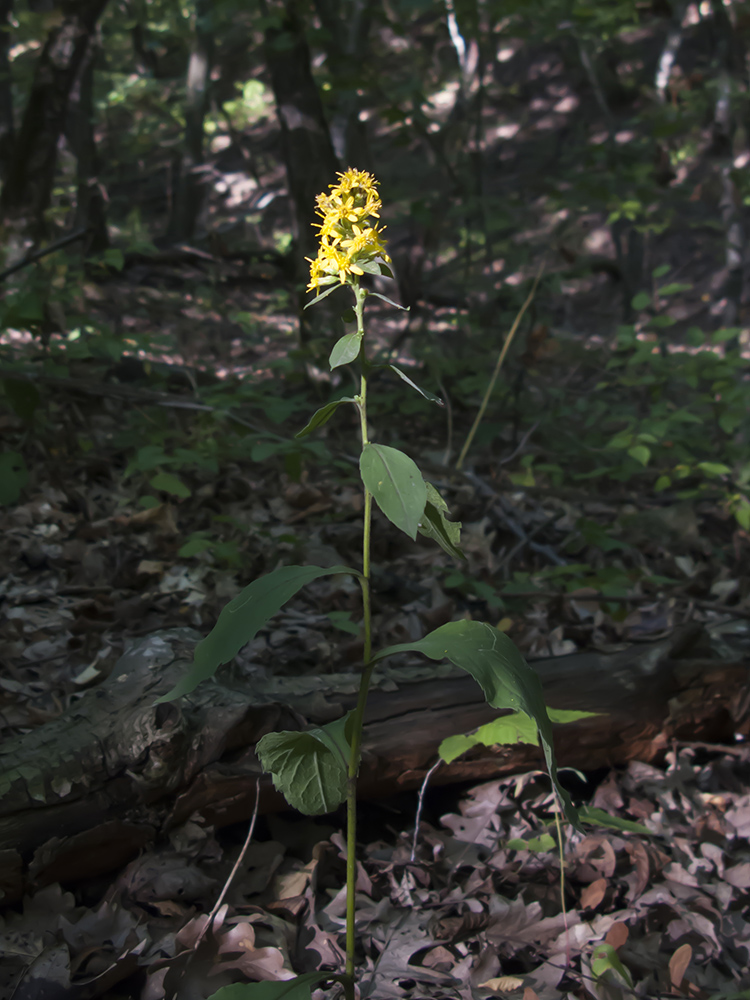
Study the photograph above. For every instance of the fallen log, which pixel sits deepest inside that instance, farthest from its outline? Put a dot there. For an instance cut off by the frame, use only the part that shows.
(83, 794)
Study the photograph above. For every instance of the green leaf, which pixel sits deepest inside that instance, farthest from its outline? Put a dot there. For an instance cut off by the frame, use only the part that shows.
(674, 288)
(506, 679)
(742, 514)
(517, 727)
(298, 988)
(310, 768)
(114, 257)
(193, 547)
(241, 620)
(605, 962)
(323, 415)
(326, 293)
(342, 621)
(427, 395)
(435, 524)
(345, 350)
(641, 301)
(390, 301)
(13, 476)
(396, 484)
(453, 746)
(714, 469)
(544, 842)
(23, 397)
(561, 716)
(169, 483)
(598, 817)
(640, 453)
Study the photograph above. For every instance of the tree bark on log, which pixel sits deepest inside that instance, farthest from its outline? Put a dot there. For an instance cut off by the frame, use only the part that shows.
(83, 794)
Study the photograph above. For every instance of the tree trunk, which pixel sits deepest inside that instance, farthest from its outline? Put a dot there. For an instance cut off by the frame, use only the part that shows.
(346, 49)
(81, 795)
(91, 210)
(307, 150)
(6, 90)
(190, 186)
(31, 173)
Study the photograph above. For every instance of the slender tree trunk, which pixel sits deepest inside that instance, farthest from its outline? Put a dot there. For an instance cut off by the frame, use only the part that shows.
(347, 23)
(191, 180)
(309, 158)
(91, 212)
(6, 90)
(727, 137)
(31, 172)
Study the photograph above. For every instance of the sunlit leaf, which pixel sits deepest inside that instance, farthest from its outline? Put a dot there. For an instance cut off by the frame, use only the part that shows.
(544, 842)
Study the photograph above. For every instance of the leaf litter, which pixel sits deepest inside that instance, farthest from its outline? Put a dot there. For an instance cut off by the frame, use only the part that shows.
(471, 917)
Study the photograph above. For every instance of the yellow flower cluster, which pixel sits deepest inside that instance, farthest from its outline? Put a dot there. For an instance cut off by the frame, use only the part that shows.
(350, 239)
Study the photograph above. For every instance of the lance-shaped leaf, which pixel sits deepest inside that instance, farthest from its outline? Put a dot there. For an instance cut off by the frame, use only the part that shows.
(310, 768)
(327, 292)
(422, 392)
(390, 302)
(241, 619)
(506, 679)
(345, 350)
(297, 988)
(323, 415)
(435, 524)
(396, 484)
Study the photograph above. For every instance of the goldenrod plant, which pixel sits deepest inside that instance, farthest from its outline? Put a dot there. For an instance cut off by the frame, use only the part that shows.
(317, 770)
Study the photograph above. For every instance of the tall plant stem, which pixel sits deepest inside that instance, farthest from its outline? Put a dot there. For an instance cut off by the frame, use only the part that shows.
(364, 684)
(498, 366)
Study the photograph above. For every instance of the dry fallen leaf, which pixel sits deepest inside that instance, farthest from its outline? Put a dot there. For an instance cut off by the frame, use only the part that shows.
(678, 964)
(502, 984)
(617, 935)
(593, 894)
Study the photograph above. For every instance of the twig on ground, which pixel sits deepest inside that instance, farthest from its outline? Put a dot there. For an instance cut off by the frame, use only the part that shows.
(420, 803)
(235, 869)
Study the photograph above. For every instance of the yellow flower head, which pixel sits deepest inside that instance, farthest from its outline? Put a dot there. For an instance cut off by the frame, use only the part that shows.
(349, 235)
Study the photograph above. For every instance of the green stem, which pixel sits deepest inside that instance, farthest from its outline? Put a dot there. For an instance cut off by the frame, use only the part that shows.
(498, 366)
(359, 712)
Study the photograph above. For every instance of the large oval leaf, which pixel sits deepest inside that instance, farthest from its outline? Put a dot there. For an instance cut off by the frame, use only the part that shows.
(396, 484)
(241, 619)
(506, 679)
(345, 350)
(310, 768)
